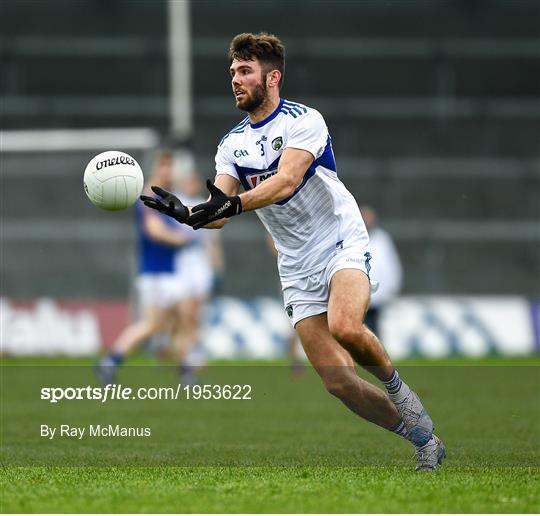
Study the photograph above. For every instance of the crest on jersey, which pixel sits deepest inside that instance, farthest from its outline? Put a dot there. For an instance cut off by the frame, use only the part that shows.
(277, 143)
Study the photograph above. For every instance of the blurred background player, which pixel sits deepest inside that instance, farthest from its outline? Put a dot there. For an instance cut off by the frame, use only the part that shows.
(174, 280)
(386, 268)
(198, 271)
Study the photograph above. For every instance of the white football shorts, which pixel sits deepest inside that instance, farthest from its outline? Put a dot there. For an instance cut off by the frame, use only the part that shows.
(192, 278)
(158, 289)
(308, 296)
(194, 274)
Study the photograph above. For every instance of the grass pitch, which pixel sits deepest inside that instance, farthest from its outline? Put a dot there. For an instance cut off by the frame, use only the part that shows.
(292, 449)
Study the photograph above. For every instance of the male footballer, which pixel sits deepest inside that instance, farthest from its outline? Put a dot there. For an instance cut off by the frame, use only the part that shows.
(281, 154)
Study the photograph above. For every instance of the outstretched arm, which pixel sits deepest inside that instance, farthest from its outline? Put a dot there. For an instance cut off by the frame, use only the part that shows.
(167, 203)
(292, 167)
(230, 187)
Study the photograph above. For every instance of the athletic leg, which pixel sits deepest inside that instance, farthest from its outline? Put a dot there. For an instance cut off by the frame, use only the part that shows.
(347, 305)
(348, 302)
(129, 340)
(297, 367)
(336, 369)
(185, 335)
(134, 335)
(186, 328)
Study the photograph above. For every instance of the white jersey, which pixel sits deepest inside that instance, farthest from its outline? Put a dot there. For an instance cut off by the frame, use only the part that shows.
(321, 215)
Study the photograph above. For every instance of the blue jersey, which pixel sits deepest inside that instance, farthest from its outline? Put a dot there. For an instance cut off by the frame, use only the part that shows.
(154, 257)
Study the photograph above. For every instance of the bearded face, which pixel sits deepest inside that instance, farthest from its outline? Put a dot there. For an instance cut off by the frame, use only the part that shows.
(248, 84)
(253, 99)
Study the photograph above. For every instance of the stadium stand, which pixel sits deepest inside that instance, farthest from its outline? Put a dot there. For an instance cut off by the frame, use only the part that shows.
(432, 105)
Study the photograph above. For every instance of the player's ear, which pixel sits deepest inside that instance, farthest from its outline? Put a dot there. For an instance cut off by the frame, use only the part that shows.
(273, 78)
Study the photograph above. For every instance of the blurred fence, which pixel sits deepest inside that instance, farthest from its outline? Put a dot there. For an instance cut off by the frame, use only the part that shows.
(258, 328)
(432, 106)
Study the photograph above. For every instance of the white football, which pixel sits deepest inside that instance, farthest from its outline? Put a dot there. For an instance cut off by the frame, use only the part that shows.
(113, 180)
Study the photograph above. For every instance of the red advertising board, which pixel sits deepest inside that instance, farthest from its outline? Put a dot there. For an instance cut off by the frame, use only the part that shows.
(71, 327)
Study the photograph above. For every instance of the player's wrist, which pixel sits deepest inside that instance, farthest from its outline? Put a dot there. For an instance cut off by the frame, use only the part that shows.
(236, 207)
(230, 207)
(219, 207)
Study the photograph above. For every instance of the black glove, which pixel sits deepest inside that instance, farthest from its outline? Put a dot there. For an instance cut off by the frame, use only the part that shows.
(219, 206)
(168, 204)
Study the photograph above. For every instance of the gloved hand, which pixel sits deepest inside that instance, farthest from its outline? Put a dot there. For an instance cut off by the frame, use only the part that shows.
(219, 206)
(168, 204)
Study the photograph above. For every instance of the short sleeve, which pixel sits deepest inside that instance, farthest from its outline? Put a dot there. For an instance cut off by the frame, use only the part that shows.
(224, 165)
(308, 132)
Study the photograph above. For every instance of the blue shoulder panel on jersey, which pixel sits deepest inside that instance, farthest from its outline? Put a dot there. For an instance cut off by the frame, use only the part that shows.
(239, 128)
(293, 109)
(326, 159)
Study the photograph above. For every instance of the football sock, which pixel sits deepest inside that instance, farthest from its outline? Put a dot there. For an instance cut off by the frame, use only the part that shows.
(188, 374)
(185, 368)
(116, 358)
(397, 389)
(401, 430)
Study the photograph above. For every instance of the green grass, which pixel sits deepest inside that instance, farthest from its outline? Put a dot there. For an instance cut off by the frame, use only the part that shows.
(292, 449)
(274, 490)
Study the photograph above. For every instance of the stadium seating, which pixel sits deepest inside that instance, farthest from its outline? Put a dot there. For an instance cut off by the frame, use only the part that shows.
(432, 107)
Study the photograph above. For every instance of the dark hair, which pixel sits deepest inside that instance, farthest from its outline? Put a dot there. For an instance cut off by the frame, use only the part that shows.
(266, 48)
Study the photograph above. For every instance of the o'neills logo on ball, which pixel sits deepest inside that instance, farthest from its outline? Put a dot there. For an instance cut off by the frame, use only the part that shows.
(119, 160)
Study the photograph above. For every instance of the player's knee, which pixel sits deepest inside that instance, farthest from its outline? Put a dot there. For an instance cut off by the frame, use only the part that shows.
(340, 385)
(348, 332)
